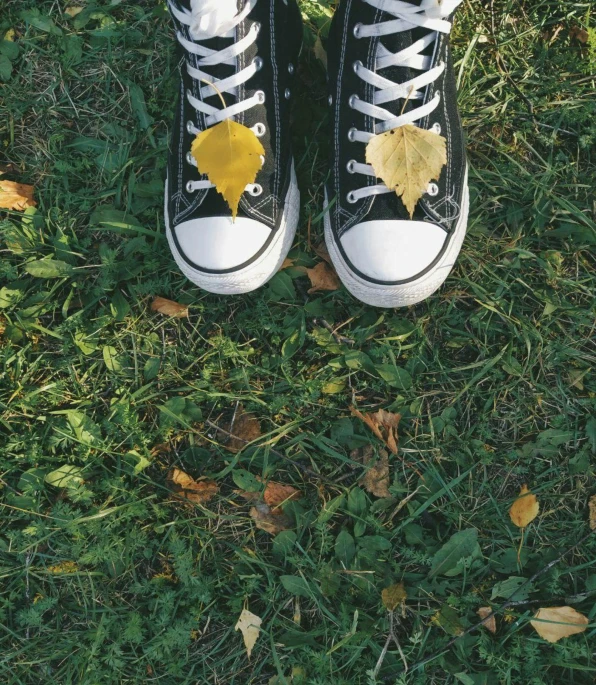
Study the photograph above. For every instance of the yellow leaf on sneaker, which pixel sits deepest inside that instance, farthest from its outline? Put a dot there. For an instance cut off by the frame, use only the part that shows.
(525, 508)
(553, 623)
(230, 155)
(406, 159)
(249, 625)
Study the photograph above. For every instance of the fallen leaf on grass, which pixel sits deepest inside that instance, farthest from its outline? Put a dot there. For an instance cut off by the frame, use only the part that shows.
(322, 277)
(376, 478)
(406, 159)
(249, 625)
(63, 567)
(16, 196)
(525, 508)
(169, 307)
(287, 263)
(244, 428)
(321, 251)
(592, 508)
(199, 492)
(269, 521)
(491, 623)
(277, 494)
(73, 11)
(383, 424)
(580, 34)
(394, 596)
(554, 623)
(231, 156)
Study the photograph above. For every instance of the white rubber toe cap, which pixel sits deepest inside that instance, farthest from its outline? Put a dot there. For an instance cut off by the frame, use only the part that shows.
(218, 244)
(393, 251)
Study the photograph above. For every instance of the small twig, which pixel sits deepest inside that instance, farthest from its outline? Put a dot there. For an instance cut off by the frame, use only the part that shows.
(390, 637)
(338, 338)
(498, 610)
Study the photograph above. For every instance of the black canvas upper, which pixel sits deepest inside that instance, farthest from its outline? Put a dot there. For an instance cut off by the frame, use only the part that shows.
(278, 45)
(344, 48)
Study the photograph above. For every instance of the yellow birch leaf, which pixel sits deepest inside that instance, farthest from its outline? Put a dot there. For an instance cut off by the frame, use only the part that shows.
(249, 625)
(16, 196)
(230, 154)
(394, 596)
(553, 623)
(407, 159)
(525, 508)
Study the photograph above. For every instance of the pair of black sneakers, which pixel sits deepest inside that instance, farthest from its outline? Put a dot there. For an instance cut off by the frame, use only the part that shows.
(389, 65)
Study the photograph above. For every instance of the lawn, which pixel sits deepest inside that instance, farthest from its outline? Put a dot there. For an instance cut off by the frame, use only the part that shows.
(108, 574)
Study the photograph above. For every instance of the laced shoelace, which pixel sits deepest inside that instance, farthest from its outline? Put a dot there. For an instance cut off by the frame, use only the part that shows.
(430, 14)
(203, 23)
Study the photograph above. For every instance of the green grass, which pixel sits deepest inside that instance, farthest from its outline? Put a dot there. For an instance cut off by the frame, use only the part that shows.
(111, 579)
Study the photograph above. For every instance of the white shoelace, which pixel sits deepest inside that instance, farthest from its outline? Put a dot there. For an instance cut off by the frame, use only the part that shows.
(429, 15)
(206, 20)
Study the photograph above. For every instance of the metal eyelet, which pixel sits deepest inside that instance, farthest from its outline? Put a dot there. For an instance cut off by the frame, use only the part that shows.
(352, 135)
(357, 28)
(436, 128)
(351, 198)
(189, 188)
(432, 190)
(330, 100)
(357, 64)
(287, 93)
(190, 158)
(260, 130)
(290, 68)
(256, 190)
(258, 62)
(352, 100)
(350, 166)
(260, 96)
(190, 127)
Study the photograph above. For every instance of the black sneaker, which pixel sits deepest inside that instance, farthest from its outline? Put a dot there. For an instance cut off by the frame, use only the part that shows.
(383, 54)
(248, 49)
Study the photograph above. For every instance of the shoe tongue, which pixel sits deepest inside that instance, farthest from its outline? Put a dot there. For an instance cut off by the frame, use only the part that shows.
(208, 16)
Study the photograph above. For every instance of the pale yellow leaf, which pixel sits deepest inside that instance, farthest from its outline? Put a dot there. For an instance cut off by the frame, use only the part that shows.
(491, 623)
(553, 623)
(230, 154)
(407, 159)
(169, 307)
(249, 625)
(73, 11)
(525, 508)
(10, 35)
(16, 195)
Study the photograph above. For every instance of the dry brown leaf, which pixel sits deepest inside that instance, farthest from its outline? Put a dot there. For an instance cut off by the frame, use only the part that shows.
(580, 34)
(394, 596)
(378, 420)
(406, 159)
(287, 263)
(269, 521)
(322, 277)
(16, 196)
(199, 492)
(491, 624)
(249, 625)
(554, 623)
(592, 508)
(525, 508)
(277, 494)
(376, 478)
(244, 428)
(169, 307)
(321, 251)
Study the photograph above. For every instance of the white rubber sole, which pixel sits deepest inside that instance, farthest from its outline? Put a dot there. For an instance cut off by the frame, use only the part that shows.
(405, 294)
(261, 270)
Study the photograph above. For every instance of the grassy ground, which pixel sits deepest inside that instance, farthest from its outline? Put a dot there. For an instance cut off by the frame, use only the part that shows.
(112, 580)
